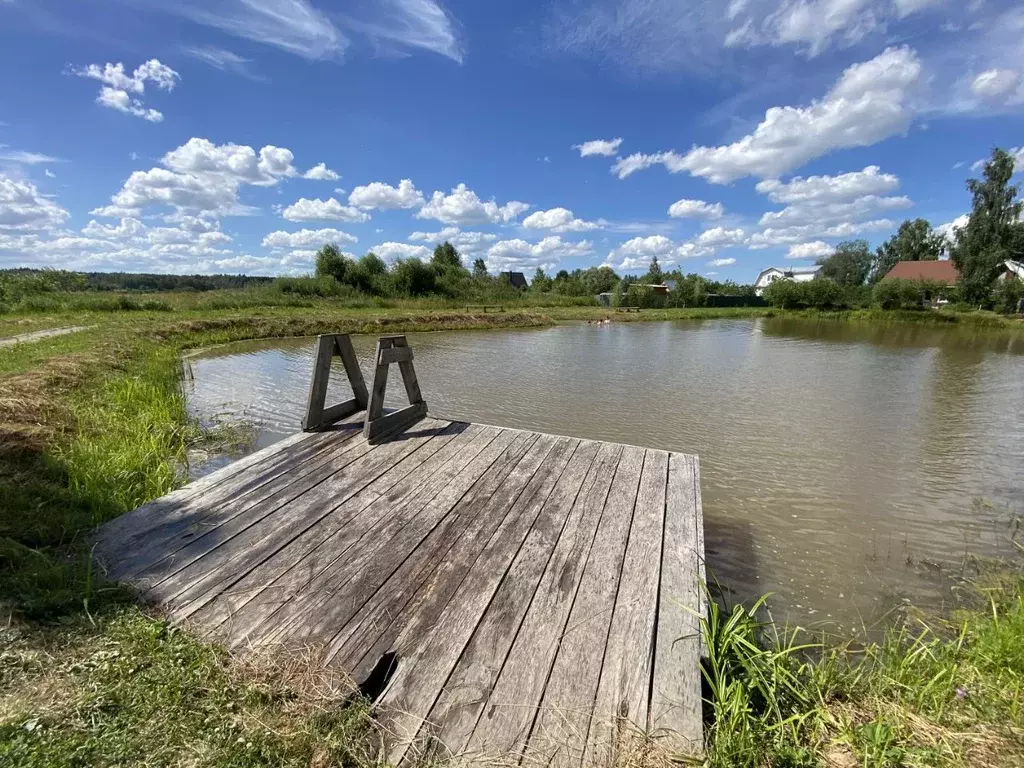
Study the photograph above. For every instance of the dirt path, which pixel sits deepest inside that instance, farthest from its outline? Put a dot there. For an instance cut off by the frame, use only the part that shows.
(26, 338)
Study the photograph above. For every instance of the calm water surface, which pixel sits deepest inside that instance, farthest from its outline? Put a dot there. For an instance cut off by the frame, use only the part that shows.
(839, 464)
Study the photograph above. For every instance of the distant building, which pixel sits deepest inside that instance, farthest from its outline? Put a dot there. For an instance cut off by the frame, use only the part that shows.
(605, 299)
(795, 274)
(1012, 270)
(659, 288)
(941, 271)
(516, 280)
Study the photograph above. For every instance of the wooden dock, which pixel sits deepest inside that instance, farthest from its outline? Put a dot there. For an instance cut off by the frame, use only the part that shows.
(502, 594)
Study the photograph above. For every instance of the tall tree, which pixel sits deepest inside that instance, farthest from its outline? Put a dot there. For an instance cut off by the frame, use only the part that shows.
(654, 274)
(541, 282)
(914, 241)
(850, 263)
(330, 262)
(445, 255)
(993, 232)
(479, 268)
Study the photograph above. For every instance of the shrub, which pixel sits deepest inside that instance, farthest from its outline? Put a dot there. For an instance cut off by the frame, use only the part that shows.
(909, 294)
(413, 278)
(1007, 296)
(309, 286)
(784, 294)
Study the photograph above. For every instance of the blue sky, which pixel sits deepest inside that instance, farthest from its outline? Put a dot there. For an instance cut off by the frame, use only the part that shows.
(723, 137)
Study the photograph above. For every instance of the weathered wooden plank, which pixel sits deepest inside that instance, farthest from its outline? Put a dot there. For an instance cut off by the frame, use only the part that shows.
(560, 731)
(396, 355)
(416, 587)
(453, 716)
(346, 587)
(343, 343)
(623, 694)
(208, 576)
(251, 521)
(430, 645)
(396, 421)
(412, 385)
(375, 408)
(123, 551)
(676, 688)
(507, 717)
(333, 413)
(314, 417)
(166, 551)
(275, 580)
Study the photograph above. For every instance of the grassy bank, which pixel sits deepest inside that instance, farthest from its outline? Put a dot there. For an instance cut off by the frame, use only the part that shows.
(93, 424)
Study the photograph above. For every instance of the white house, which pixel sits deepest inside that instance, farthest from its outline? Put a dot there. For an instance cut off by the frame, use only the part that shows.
(796, 274)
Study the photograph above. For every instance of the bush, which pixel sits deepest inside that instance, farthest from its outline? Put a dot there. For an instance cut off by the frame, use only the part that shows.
(413, 278)
(813, 294)
(1007, 296)
(897, 294)
(784, 294)
(309, 286)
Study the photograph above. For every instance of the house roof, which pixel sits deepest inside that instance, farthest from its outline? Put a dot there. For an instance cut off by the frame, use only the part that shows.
(941, 271)
(517, 279)
(790, 271)
(1014, 267)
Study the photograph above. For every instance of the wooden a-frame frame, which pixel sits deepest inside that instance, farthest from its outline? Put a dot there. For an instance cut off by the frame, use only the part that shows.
(392, 349)
(318, 415)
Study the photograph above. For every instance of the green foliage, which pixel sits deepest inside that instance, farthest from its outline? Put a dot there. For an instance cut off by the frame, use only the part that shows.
(654, 275)
(993, 233)
(898, 294)
(411, 277)
(445, 255)
(480, 269)
(1007, 296)
(331, 263)
(914, 241)
(812, 294)
(849, 265)
(541, 283)
(323, 286)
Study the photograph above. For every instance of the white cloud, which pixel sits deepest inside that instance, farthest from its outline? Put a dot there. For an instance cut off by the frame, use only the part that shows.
(23, 207)
(203, 157)
(394, 251)
(292, 25)
(463, 207)
(816, 249)
(996, 85)
(830, 213)
(306, 238)
(380, 196)
(638, 252)
(830, 189)
(221, 59)
(305, 209)
(599, 147)
(49, 174)
(948, 230)
(695, 209)
(467, 243)
(721, 262)
(320, 172)
(118, 86)
(774, 236)
(720, 237)
(560, 220)
(26, 158)
(870, 102)
(394, 25)
(521, 255)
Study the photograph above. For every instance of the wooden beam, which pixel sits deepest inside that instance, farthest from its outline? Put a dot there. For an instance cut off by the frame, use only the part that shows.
(395, 421)
(317, 415)
(395, 355)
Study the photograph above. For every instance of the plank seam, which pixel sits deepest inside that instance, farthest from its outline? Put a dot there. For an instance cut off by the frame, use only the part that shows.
(657, 607)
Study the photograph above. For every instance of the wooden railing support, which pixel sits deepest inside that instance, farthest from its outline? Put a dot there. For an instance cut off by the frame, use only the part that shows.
(392, 349)
(318, 415)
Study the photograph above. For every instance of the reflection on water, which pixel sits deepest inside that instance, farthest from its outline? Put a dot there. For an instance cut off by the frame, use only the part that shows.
(838, 462)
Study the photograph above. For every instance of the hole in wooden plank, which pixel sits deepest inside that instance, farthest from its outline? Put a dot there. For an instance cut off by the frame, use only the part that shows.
(377, 681)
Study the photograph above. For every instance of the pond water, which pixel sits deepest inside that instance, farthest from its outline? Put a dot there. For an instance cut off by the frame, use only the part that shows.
(841, 465)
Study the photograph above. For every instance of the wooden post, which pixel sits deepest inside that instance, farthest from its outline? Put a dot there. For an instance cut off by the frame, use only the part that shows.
(392, 349)
(317, 414)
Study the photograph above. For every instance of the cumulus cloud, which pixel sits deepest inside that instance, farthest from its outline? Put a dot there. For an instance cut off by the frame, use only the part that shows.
(121, 91)
(816, 249)
(203, 157)
(463, 207)
(774, 236)
(829, 189)
(827, 213)
(870, 102)
(560, 220)
(320, 172)
(996, 85)
(638, 252)
(467, 243)
(316, 209)
(948, 230)
(719, 237)
(721, 262)
(598, 147)
(521, 255)
(23, 207)
(394, 251)
(380, 196)
(306, 238)
(695, 209)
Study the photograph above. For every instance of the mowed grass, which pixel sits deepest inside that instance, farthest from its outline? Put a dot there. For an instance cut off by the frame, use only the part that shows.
(93, 424)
